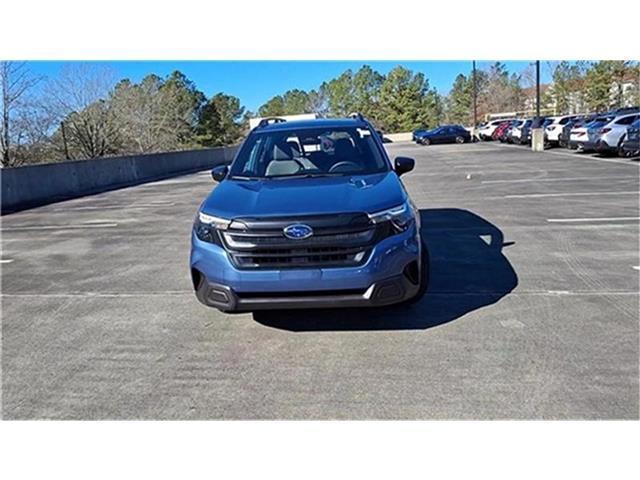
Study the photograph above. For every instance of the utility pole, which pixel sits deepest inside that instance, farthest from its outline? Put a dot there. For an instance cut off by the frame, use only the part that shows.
(64, 141)
(537, 93)
(475, 96)
(537, 133)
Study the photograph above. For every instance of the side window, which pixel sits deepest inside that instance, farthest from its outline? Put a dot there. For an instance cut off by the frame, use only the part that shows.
(626, 121)
(254, 155)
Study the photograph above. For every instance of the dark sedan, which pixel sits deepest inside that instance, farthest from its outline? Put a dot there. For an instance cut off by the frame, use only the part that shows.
(445, 134)
(416, 134)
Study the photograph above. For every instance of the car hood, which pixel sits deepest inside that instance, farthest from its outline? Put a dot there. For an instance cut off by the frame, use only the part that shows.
(305, 196)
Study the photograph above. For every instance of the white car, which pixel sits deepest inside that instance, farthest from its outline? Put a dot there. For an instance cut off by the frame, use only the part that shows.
(487, 130)
(554, 129)
(608, 138)
(582, 138)
(516, 132)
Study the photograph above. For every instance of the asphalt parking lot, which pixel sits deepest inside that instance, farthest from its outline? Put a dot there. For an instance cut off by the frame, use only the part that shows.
(532, 310)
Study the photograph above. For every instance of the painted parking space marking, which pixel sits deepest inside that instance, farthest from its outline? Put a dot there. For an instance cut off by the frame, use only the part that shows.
(572, 194)
(574, 156)
(511, 323)
(20, 228)
(569, 179)
(593, 219)
(112, 207)
(597, 159)
(6, 260)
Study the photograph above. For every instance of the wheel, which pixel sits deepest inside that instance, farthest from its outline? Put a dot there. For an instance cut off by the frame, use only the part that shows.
(424, 277)
(620, 151)
(426, 141)
(459, 139)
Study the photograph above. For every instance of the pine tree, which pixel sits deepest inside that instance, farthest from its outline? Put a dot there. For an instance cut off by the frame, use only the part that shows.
(598, 84)
(460, 101)
(402, 101)
(221, 121)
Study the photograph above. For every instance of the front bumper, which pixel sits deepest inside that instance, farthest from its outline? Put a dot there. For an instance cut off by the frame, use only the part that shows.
(583, 145)
(384, 292)
(237, 289)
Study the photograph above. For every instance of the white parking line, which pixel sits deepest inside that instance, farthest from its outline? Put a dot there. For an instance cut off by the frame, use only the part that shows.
(57, 227)
(594, 219)
(108, 207)
(575, 194)
(576, 156)
(568, 179)
(636, 267)
(6, 260)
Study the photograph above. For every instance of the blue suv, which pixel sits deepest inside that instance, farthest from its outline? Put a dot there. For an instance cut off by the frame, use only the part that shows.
(309, 214)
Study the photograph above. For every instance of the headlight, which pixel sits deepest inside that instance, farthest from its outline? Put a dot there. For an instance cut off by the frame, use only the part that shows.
(401, 217)
(206, 226)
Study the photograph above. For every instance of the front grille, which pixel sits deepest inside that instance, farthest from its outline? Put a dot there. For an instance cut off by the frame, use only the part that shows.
(338, 241)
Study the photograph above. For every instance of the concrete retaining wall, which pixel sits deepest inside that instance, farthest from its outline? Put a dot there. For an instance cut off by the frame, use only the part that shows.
(399, 137)
(30, 186)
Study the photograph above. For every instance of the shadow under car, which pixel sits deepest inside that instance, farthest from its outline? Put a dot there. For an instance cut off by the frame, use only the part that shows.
(468, 271)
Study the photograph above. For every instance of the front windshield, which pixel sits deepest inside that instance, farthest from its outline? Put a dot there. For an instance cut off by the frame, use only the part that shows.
(309, 152)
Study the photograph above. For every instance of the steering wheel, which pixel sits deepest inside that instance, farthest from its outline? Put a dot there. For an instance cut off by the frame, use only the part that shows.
(344, 163)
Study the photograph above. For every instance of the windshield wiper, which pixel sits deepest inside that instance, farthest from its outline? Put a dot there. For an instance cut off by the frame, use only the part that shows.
(241, 177)
(313, 175)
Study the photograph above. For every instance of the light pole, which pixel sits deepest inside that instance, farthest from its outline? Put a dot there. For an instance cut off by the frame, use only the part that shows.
(537, 92)
(537, 133)
(475, 96)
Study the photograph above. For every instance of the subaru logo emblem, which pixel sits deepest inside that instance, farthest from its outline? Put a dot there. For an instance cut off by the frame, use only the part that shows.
(298, 231)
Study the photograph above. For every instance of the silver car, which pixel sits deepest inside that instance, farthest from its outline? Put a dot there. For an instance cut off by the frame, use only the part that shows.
(608, 138)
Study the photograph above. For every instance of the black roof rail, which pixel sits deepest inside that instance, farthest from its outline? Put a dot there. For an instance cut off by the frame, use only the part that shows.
(269, 120)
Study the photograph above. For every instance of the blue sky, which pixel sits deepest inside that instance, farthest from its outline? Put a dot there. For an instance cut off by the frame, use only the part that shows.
(255, 82)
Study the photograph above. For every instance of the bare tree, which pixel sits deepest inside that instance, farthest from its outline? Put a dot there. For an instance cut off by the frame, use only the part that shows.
(157, 114)
(15, 82)
(79, 97)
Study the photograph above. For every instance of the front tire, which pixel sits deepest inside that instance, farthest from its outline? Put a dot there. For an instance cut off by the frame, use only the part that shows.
(459, 139)
(426, 142)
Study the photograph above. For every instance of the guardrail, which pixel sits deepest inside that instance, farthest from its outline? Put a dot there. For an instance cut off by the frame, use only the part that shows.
(35, 185)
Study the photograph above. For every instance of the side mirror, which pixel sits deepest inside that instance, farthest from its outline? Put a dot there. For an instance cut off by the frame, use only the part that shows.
(220, 172)
(404, 165)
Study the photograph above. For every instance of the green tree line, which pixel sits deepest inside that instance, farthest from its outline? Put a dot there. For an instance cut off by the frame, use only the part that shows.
(576, 87)
(85, 113)
(401, 100)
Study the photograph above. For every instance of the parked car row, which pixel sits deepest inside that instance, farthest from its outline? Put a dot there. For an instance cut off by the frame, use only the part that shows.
(610, 133)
